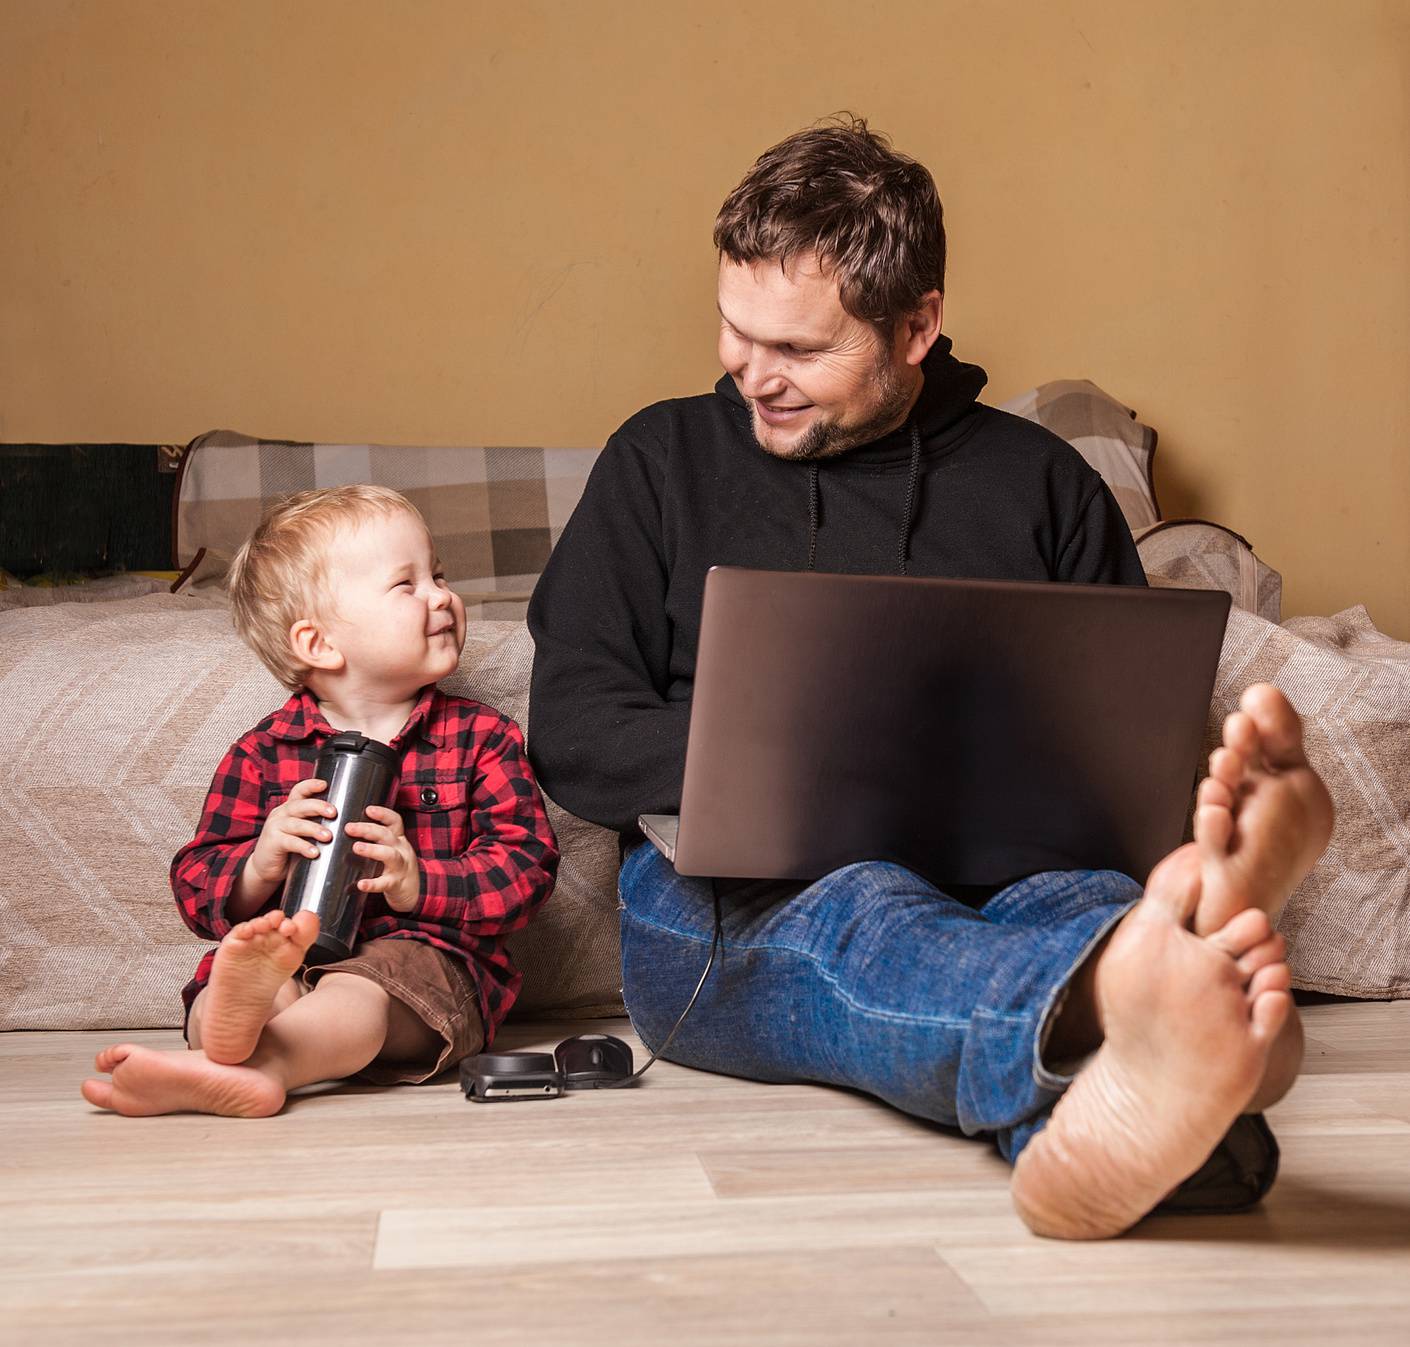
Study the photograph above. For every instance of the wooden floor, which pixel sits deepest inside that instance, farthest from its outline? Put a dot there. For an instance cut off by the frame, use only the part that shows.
(693, 1209)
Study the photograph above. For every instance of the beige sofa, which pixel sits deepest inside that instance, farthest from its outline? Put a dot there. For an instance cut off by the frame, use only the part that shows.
(114, 716)
(114, 713)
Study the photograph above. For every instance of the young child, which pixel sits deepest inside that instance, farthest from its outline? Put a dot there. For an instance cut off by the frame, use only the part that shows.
(340, 594)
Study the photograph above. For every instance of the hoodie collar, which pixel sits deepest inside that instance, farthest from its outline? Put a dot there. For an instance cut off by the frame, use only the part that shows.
(946, 397)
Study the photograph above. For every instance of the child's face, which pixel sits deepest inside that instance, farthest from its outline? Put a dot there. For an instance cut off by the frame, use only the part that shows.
(392, 618)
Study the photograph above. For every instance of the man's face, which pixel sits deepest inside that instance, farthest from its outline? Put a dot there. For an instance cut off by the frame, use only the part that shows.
(817, 381)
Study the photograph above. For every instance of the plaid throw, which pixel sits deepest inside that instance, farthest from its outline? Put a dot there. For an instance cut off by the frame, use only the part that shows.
(1106, 433)
(495, 513)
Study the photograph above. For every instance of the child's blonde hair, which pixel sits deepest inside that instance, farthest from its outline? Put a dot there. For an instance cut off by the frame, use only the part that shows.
(280, 574)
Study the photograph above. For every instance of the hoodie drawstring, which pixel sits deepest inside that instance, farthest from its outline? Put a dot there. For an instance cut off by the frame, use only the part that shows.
(812, 513)
(903, 544)
(903, 541)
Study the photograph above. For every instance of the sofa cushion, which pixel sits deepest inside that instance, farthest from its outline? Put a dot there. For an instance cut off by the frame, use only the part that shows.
(570, 954)
(1348, 923)
(1197, 554)
(114, 718)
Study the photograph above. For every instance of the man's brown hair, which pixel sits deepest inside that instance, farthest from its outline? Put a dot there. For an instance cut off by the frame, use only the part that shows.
(838, 190)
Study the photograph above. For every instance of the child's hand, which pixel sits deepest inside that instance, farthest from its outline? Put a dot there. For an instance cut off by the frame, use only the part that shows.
(290, 830)
(385, 841)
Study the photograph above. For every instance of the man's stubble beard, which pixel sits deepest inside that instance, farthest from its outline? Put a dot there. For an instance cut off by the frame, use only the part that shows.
(828, 439)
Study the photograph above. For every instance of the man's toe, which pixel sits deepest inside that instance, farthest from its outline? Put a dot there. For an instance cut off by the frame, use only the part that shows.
(1279, 728)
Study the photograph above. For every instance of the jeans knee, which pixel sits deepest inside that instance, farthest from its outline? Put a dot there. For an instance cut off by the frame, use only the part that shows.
(654, 964)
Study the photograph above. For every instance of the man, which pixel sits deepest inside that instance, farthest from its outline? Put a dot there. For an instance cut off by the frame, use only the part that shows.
(1108, 1041)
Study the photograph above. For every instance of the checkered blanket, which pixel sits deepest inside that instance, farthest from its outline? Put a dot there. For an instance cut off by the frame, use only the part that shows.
(495, 512)
(1106, 433)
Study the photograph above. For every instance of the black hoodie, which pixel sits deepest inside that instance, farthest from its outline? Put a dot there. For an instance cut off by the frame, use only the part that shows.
(961, 490)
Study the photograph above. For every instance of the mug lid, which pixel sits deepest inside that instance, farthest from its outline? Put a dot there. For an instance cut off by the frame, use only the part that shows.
(350, 741)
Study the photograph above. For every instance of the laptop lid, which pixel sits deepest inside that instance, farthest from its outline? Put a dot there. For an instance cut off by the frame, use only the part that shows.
(972, 730)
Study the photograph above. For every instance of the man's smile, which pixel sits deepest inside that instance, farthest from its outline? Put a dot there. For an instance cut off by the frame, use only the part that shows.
(780, 415)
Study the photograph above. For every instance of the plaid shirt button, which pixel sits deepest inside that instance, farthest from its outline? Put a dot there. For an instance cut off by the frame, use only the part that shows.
(429, 796)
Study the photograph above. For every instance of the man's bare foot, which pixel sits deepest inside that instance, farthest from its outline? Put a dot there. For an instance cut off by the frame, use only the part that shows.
(1259, 952)
(253, 962)
(1189, 1037)
(1262, 815)
(145, 1082)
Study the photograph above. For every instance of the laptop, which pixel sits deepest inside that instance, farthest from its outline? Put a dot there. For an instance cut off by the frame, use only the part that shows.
(974, 731)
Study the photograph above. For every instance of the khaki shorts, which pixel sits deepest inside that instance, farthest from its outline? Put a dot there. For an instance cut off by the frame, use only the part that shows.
(433, 985)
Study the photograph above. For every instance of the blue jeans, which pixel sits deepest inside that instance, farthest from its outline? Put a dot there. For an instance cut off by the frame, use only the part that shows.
(870, 978)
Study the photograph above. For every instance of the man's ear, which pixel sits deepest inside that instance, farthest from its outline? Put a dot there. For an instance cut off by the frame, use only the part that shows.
(312, 648)
(920, 328)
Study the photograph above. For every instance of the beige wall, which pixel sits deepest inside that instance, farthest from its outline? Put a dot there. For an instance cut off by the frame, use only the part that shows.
(456, 222)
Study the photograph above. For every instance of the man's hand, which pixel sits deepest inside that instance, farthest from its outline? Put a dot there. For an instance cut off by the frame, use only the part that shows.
(290, 830)
(384, 839)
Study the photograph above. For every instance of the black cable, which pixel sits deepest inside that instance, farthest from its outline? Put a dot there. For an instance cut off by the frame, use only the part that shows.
(717, 942)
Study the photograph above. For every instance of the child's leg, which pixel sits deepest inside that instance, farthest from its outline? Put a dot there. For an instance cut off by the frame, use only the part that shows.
(251, 982)
(335, 1030)
(342, 1025)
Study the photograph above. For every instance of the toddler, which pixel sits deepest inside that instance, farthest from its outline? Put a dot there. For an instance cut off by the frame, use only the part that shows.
(340, 594)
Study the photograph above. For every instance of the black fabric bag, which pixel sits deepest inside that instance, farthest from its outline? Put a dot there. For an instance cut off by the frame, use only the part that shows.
(1239, 1172)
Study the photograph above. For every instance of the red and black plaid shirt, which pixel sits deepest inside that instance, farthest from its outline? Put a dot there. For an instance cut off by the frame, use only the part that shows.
(473, 815)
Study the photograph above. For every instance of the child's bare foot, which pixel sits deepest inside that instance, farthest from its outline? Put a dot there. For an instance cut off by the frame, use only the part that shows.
(146, 1082)
(253, 962)
(1189, 1038)
(1262, 815)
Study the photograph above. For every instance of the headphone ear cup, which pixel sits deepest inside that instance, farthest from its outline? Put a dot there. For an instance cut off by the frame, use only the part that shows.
(594, 1062)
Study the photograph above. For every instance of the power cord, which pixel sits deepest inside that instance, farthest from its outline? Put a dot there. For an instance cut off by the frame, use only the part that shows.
(535, 1075)
(717, 943)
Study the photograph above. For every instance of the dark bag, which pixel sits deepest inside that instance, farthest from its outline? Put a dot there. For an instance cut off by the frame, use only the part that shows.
(1239, 1172)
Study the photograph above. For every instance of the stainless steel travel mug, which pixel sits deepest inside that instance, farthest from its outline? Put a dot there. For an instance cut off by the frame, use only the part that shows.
(359, 772)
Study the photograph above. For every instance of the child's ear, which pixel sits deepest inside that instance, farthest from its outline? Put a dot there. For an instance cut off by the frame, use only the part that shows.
(312, 648)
